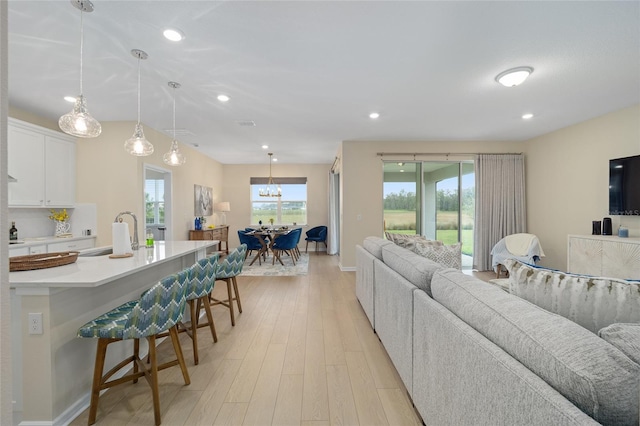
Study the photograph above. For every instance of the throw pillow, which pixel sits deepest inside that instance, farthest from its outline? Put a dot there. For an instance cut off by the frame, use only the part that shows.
(592, 302)
(447, 256)
(625, 337)
(407, 240)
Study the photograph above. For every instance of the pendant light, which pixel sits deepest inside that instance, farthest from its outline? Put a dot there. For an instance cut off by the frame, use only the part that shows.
(174, 157)
(271, 190)
(137, 144)
(79, 122)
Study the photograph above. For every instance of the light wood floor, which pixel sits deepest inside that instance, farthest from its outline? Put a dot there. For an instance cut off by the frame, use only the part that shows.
(301, 353)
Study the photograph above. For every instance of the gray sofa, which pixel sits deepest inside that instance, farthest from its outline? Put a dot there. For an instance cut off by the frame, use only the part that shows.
(470, 353)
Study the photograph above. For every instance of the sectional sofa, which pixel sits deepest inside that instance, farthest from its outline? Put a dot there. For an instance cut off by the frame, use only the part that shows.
(470, 353)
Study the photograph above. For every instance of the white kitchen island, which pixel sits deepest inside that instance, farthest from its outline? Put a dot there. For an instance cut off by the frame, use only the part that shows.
(53, 370)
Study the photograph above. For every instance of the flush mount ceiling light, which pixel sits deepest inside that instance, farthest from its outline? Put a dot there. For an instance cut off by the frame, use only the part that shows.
(173, 34)
(265, 146)
(174, 157)
(374, 115)
(271, 190)
(527, 116)
(223, 98)
(514, 76)
(137, 144)
(79, 122)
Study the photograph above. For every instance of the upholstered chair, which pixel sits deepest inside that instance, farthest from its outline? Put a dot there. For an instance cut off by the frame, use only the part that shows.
(227, 270)
(317, 234)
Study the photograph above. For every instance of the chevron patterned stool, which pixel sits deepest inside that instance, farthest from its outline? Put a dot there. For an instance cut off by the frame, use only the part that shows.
(199, 287)
(227, 271)
(159, 309)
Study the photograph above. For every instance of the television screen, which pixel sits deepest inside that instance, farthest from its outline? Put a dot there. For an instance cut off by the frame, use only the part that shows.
(624, 186)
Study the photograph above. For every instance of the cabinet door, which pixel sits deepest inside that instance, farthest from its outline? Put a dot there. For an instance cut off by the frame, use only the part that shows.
(26, 164)
(38, 249)
(621, 260)
(20, 251)
(60, 172)
(585, 256)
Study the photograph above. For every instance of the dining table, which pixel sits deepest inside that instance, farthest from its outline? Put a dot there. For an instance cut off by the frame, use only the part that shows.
(267, 237)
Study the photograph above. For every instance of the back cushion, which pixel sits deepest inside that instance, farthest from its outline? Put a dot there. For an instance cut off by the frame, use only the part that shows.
(374, 245)
(592, 302)
(449, 256)
(589, 372)
(414, 268)
(409, 241)
(625, 337)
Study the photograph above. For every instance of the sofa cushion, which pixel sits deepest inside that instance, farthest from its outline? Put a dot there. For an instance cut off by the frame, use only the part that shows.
(409, 241)
(374, 245)
(625, 337)
(592, 302)
(591, 373)
(449, 256)
(414, 268)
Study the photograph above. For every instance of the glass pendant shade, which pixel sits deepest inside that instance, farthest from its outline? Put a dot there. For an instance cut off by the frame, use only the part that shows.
(174, 157)
(79, 122)
(138, 144)
(271, 190)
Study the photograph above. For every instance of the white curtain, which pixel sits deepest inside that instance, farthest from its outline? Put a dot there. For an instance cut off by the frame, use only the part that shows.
(333, 231)
(500, 203)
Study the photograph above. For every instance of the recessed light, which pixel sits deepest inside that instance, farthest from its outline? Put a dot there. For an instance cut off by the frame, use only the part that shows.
(514, 76)
(265, 146)
(173, 34)
(374, 115)
(401, 170)
(275, 159)
(527, 116)
(71, 99)
(223, 98)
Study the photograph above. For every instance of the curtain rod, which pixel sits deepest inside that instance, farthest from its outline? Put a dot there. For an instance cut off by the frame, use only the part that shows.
(382, 154)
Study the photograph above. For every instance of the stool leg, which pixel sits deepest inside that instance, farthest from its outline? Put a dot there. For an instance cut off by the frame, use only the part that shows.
(194, 330)
(235, 289)
(136, 355)
(173, 331)
(233, 320)
(97, 379)
(207, 308)
(153, 379)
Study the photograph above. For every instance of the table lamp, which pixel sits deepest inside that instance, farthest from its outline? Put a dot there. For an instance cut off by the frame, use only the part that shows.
(222, 207)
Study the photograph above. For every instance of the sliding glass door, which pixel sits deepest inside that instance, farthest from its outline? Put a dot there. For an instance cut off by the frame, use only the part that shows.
(434, 199)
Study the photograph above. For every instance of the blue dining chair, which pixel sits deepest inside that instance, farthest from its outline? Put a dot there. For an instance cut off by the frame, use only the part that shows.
(286, 243)
(317, 234)
(252, 242)
(159, 309)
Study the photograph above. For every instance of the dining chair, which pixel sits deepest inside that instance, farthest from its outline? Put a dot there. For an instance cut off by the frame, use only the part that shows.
(252, 242)
(286, 243)
(317, 234)
(227, 270)
(159, 309)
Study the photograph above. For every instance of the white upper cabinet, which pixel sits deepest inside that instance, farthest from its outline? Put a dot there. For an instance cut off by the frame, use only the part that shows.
(44, 163)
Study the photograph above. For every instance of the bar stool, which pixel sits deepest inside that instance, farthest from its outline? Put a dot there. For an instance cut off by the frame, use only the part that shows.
(199, 287)
(159, 309)
(227, 270)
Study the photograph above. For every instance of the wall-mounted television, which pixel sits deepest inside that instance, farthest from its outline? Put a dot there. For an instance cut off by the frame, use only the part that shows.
(624, 186)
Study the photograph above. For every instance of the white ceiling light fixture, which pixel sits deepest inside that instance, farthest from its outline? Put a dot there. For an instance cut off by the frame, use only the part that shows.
(71, 99)
(174, 157)
(514, 76)
(223, 98)
(265, 146)
(527, 116)
(137, 144)
(79, 122)
(173, 34)
(271, 190)
(374, 115)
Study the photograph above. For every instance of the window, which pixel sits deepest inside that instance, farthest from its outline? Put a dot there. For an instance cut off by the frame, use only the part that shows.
(154, 201)
(289, 209)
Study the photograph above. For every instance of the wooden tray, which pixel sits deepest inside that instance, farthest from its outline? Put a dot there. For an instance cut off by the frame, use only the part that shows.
(42, 260)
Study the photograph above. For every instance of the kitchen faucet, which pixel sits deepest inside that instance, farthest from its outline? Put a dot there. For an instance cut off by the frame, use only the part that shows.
(134, 244)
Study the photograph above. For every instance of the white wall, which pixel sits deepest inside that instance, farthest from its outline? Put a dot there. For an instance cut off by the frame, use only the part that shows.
(567, 175)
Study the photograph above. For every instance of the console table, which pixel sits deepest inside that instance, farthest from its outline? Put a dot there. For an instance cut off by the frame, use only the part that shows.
(604, 255)
(220, 233)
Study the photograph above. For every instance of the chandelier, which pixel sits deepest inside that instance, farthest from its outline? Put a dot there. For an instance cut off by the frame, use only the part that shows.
(271, 190)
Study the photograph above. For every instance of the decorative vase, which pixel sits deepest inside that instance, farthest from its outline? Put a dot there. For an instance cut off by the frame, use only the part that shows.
(62, 227)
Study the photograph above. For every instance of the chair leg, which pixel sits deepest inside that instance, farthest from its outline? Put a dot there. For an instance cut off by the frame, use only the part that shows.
(153, 378)
(306, 249)
(194, 329)
(97, 379)
(207, 308)
(233, 320)
(173, 331)
(235, 289)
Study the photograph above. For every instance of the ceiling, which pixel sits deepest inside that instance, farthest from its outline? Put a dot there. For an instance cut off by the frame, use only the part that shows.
(309, 73)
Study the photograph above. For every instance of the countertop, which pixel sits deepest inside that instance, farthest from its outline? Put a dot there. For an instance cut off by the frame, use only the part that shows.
(98, 270)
